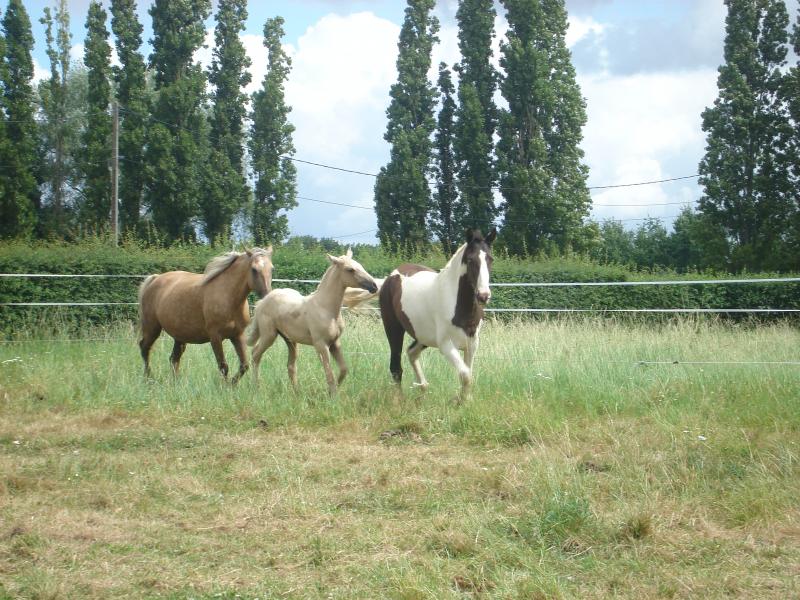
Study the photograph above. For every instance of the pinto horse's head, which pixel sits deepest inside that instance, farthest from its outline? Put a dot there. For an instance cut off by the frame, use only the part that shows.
(260, 276)
(478, 259)
(352, 273)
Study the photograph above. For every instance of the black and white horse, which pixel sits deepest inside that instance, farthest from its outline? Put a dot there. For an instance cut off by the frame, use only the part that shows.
(439, 310)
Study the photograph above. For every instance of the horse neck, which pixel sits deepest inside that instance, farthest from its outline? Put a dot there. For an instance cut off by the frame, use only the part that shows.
(452, 271)
(234, 280)
(330, 291)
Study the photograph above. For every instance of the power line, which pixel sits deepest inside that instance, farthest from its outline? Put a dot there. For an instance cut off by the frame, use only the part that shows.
(367, 174)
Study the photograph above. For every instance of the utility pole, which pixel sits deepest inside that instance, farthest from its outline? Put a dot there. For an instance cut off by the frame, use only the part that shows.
(115, 172)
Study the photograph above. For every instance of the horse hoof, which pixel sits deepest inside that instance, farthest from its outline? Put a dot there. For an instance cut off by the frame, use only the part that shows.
(422, 387)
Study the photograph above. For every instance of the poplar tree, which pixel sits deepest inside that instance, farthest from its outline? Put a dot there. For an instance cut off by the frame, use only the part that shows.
(791, 92)
(7, 212)
(226, 191)
(57, 133)
(540, 162)
(745, 189)
(177, 137)
(19, 187)
(402, 193)
(271, 144)
(476, 116)
(97, 135)
(447, 213)
(130, 78)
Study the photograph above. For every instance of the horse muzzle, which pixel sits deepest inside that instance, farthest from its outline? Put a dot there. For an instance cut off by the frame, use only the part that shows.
(370, 286)
(483, 297)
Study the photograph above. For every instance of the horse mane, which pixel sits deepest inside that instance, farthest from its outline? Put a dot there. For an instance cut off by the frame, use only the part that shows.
(222, 262)
(458, 253)
(219, 264)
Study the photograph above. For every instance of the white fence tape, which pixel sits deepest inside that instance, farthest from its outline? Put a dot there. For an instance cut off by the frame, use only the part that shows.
(498, 284)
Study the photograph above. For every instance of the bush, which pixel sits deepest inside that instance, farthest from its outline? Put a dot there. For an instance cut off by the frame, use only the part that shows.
(297, 261)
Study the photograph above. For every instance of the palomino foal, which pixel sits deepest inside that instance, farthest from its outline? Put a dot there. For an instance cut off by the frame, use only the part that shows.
(212, 307)
(442, 310)
(314, 320)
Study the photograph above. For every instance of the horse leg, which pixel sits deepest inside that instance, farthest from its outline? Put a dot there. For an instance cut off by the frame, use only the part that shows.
(149, 336)
(338, 355)
(266, 339)
(414, 351)
(450, 352)
(470, 352)
(238, 345)
(219, 354)
(395, 334)
(325, 359)
(178, 349)
(291, 361)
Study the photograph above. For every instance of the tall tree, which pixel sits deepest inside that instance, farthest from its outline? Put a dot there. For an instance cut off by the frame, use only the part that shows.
(97, 135)
(177, 137)
(271, 144)
(226, 188)
(20, 191)
(447, 213)
(131, 84)
(8, 200)
(57, 133)
(540, 162)
(791, 93)
(402, 194)
(746, 188)
(476, 116)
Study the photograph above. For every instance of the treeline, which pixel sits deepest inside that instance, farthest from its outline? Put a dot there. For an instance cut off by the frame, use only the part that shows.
(201, 160)
(304, 258)
(183, 130)
(521, 165)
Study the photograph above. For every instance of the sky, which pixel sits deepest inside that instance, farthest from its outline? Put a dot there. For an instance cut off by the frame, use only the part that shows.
(647, 69)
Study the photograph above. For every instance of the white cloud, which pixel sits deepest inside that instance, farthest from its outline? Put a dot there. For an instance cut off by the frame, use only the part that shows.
(342, 69)
(40, 73)
(580, 27)
(641, 128)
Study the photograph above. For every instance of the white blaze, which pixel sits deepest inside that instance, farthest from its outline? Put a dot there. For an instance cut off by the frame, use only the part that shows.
(483, 276)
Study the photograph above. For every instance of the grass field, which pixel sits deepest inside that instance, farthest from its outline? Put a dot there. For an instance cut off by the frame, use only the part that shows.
(574, 472)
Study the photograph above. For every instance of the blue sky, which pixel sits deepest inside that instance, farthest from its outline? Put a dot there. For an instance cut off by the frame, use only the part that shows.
(647, 69)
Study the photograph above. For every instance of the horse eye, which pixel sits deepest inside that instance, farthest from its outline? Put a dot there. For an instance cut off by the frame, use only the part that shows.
(351, 270)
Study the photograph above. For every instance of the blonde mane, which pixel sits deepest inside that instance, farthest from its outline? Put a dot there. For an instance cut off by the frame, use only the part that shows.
(219, 264)
(222, 262)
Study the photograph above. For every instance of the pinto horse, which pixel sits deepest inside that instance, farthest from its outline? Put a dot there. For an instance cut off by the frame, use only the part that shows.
(196, 309)
(441, 310)
(314, 320)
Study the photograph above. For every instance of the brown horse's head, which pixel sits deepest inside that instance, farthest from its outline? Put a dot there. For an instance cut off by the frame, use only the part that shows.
(260, 276)
(352, 273)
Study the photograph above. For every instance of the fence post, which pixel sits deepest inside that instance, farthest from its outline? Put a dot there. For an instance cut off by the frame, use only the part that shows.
(115, 172)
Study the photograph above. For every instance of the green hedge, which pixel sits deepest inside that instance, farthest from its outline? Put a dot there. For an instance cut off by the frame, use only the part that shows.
(296, 262)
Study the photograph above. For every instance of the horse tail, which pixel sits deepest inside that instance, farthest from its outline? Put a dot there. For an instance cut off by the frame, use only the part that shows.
(252, 331)
(142, 288)
(355, 297)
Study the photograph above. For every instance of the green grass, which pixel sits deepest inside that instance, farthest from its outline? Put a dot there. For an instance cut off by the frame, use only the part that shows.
(574, 472)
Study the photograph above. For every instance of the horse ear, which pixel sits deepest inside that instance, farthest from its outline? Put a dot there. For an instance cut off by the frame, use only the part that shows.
(248, 252)
(469, 235)
(490, 238)
(268, 251)
(334, 260)
(349, 253)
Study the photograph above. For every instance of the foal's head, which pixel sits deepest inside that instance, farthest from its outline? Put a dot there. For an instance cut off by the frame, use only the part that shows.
(260, 275)
(352, 274)
(478, 259)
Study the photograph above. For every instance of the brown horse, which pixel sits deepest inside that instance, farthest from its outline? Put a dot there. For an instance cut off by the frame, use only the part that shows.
(196, 309)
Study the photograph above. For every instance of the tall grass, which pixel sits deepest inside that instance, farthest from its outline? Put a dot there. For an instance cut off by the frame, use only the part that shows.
(576, 470)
